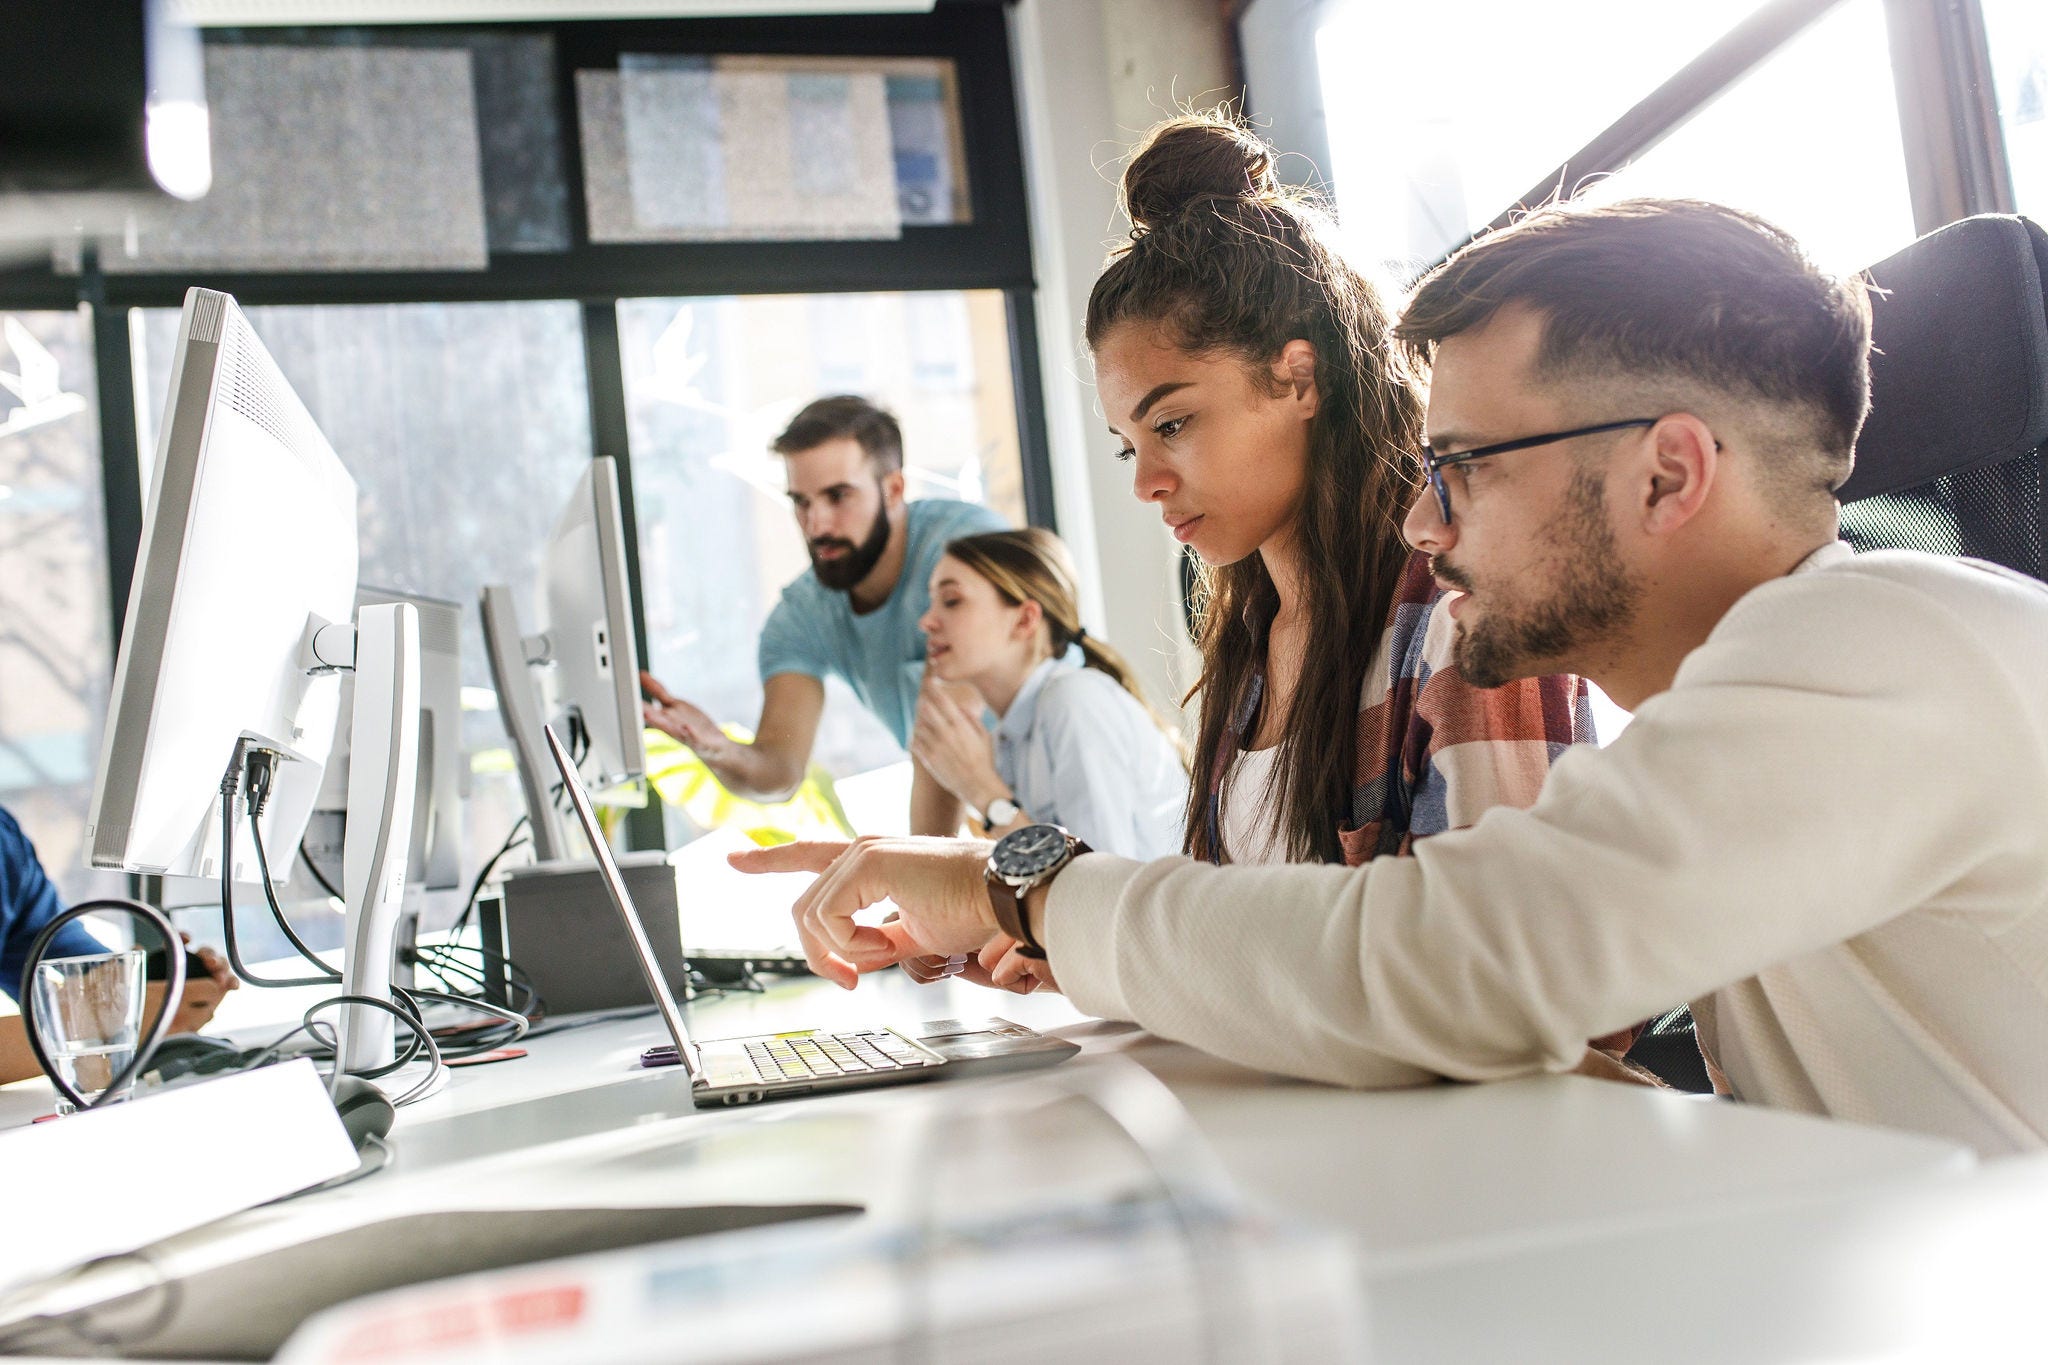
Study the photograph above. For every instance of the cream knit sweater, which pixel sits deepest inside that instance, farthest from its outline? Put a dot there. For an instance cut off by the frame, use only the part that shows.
(1831, 833)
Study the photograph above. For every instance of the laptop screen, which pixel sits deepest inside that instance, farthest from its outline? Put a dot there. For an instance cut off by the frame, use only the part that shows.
(664, 999)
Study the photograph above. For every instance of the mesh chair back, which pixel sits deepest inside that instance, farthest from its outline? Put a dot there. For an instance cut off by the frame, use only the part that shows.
(1951, 459)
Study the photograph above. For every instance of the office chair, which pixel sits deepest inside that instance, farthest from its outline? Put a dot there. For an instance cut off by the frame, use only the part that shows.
(1951, 458)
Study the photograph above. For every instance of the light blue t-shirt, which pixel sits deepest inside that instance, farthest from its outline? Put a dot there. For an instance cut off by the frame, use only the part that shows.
(814, 631)
(1079, 751)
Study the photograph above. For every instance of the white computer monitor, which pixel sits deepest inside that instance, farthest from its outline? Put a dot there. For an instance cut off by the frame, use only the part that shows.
(579, 670)
(238, 627)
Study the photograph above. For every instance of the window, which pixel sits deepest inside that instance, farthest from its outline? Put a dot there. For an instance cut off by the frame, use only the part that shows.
(1808, 139)
(465, 426)
(388, 196)
(1432, 134)
(56, 650)
(711, 382)
(2018, 33)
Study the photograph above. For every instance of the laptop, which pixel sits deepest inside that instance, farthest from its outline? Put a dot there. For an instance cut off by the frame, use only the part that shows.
(803, 1061)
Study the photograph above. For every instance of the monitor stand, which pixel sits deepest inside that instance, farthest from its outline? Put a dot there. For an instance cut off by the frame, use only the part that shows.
(384, 745)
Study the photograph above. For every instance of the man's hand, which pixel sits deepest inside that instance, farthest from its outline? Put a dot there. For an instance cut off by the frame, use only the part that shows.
(954, 746)
(677, 718)
(942, 903)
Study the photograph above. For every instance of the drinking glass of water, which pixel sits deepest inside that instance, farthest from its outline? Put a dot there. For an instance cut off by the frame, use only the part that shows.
(90, 1013)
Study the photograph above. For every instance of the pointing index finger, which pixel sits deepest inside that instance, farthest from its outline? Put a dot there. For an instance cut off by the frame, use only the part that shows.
(796, 857)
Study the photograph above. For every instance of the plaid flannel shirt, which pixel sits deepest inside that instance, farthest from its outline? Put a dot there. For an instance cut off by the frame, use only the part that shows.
(1434, 752)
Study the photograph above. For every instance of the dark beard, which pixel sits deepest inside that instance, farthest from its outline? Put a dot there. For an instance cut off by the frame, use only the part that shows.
(1591, 596)
(845, 573)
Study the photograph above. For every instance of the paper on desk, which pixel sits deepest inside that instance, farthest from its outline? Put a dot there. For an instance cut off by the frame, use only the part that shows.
(724, 909)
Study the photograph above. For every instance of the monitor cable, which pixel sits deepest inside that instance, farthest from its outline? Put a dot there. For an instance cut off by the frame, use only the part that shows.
(513, 839)
(319, 877)
(328, 975)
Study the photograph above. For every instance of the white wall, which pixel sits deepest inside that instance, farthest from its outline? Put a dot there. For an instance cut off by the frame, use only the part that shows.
(1092, 76)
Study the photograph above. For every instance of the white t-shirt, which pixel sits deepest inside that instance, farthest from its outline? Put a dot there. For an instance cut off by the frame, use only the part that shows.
(1251, 822)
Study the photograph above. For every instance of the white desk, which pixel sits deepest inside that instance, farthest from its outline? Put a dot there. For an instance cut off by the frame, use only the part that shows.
(1556, 1218)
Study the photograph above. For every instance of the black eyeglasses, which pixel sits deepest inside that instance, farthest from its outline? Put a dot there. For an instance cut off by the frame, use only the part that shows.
(1434, 465)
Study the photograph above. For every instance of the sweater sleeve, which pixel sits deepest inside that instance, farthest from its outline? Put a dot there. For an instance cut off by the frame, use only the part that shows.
(1804, 779)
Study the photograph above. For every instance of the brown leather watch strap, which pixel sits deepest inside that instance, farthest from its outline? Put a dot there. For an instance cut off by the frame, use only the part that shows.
(1010, 916)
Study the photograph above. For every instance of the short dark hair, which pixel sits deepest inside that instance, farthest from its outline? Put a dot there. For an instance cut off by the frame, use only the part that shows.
(841, 415)
(1669, 289)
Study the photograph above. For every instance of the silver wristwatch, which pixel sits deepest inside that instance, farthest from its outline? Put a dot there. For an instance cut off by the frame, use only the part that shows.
(1022, 860)
(1001, 811)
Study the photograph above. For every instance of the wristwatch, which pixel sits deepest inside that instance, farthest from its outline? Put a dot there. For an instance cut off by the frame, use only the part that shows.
(1021, 861)
(1001, 811)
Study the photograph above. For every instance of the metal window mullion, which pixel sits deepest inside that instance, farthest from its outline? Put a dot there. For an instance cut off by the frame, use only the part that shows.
(1956, 162)
(120, 458)
(1664, 110)
(1027, 382)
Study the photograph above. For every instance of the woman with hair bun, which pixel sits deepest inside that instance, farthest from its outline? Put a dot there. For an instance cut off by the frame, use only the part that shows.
(1246, 366)
(1074, 743)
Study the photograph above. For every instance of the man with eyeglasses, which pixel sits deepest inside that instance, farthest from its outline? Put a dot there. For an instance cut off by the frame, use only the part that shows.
(1824, 825)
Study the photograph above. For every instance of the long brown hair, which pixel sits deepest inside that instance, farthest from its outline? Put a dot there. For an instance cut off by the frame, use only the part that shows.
(1033, 565)
(1227, 260)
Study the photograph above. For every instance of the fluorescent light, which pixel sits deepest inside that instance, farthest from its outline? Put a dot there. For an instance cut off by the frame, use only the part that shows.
(180, 150)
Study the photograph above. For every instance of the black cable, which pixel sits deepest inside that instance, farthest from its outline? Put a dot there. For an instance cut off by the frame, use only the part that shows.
(514, 976)
(406, 1011)
(476, 888)
(227, 902)
(319, 876)
(507, 1018)
(447, 972)
(276, 910)
(147, 1044)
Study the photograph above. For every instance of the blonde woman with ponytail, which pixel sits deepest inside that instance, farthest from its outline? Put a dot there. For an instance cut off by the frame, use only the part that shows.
(1074, 742)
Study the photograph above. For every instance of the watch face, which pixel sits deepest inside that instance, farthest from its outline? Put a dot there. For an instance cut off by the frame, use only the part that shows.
(1029, 851)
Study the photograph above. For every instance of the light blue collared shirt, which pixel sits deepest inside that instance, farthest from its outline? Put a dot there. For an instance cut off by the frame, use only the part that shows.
(1079, 751)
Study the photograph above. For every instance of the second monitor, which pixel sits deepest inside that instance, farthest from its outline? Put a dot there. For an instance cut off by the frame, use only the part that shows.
(579, 669)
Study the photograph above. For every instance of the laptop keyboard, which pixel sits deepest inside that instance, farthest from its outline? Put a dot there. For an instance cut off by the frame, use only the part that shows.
(832, 1054)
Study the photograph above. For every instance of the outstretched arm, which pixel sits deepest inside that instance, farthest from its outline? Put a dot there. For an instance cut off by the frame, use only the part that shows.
(769, 769)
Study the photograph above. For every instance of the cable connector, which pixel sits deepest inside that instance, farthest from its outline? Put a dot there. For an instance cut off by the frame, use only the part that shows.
(259, 768)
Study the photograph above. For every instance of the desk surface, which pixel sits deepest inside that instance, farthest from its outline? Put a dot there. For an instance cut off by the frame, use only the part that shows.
(1486, 1219)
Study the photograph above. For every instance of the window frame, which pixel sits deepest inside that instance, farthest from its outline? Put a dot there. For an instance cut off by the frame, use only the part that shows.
(1954, 145)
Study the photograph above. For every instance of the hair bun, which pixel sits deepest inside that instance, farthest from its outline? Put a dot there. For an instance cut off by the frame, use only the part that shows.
(1196, 157)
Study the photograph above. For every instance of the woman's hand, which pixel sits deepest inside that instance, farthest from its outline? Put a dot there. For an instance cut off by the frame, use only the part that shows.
(953, 745)
(1001, 965)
